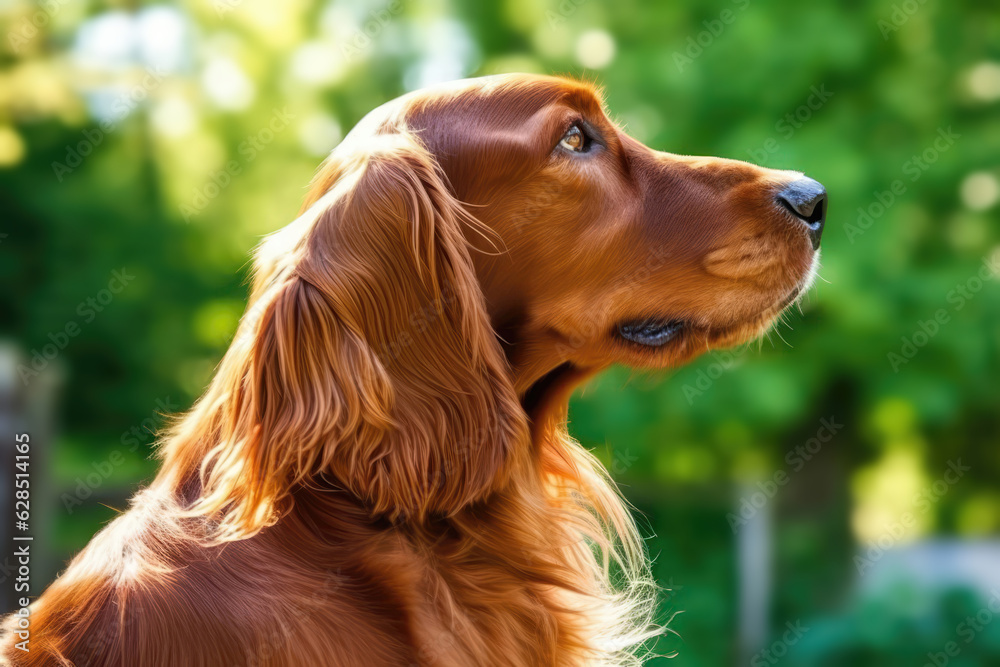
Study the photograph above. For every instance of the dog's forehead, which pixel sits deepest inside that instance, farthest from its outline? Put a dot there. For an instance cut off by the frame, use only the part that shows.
(509, 97)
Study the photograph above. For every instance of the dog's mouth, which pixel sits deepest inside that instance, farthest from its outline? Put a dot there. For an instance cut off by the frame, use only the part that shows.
(651, 332)
(666, 334)
(663, 340)
(656, 333)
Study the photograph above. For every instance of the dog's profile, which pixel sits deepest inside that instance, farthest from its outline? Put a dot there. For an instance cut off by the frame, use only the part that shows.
(379, 473)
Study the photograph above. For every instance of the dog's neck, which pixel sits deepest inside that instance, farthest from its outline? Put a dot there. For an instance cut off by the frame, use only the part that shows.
(544, 377)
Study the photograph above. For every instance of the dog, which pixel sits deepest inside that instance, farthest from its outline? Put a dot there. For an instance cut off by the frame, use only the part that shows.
(380, 472)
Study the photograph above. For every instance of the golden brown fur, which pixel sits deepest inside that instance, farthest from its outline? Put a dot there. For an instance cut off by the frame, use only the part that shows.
(379, 473)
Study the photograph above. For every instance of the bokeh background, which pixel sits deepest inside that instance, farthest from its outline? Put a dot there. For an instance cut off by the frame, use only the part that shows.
(830, 496)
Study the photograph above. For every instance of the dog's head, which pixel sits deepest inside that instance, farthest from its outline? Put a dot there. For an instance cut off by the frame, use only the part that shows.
(466, 255)
(609, 251)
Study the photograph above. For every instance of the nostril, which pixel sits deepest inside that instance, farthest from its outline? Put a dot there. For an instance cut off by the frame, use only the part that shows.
(805, 198)
(812, 212)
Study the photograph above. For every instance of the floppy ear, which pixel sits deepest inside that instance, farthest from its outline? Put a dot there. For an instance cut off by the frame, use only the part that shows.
(366, 355)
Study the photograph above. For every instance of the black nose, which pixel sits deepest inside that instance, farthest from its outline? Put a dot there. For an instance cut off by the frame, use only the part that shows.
(806, 200)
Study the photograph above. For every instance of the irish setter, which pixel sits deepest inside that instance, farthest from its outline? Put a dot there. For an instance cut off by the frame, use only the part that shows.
(380, 473)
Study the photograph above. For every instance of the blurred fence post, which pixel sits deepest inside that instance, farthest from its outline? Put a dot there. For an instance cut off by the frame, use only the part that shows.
(753, 557)
(26, 408)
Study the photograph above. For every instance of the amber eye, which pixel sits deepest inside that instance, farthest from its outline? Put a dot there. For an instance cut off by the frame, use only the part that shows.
(574, 140)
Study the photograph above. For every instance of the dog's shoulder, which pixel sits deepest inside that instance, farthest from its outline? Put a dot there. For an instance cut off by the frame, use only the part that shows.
(149, 585)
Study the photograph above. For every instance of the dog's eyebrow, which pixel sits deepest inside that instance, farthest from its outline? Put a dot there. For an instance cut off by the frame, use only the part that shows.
(587, 98)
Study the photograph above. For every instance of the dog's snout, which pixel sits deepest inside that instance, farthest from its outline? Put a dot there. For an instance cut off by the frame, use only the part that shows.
(805, 198)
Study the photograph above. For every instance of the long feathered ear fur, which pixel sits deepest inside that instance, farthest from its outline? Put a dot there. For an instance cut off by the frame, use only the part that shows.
(365, 357)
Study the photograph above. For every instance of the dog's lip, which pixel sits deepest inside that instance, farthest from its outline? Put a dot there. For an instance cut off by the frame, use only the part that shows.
(656, 332)
(651, 331)
(790, 298)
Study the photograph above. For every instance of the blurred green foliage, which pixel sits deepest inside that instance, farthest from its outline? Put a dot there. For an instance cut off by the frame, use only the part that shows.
(165, 139)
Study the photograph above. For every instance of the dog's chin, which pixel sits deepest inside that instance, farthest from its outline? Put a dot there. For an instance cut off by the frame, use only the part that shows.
(661, 341)
(669, 341)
